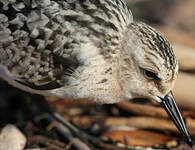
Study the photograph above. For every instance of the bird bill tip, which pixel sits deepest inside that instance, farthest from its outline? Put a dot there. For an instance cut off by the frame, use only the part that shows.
(170, 106)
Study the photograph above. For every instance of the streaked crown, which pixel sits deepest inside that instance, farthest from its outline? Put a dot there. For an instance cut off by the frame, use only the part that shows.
(156, 47)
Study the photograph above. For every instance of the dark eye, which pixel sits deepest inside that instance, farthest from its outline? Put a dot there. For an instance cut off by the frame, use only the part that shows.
(150, 75)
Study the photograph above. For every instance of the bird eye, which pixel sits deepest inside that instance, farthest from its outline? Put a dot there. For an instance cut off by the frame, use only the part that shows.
(150, 75)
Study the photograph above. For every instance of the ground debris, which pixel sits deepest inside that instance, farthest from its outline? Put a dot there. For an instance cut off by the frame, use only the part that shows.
(11, 138)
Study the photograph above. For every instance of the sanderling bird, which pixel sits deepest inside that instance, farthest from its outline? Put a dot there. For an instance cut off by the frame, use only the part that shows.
(89, 49)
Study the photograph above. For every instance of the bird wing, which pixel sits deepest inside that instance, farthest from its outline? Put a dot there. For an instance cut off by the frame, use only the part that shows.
(39, 39)
(34, 49)
(40, 72)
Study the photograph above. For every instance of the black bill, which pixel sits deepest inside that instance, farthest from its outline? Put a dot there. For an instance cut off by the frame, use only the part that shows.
(171, 108)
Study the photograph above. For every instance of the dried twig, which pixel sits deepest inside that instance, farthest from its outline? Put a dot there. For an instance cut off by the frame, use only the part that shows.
(138, 109)
(50, 143)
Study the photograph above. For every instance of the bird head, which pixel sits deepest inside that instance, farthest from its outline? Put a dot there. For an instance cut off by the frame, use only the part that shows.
(148, 68)
(148, 65)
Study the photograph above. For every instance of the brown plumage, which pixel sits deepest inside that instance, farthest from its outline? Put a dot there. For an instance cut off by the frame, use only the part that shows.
(84, 49)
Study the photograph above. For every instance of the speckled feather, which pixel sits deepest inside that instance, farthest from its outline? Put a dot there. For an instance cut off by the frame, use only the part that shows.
(39, 39)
